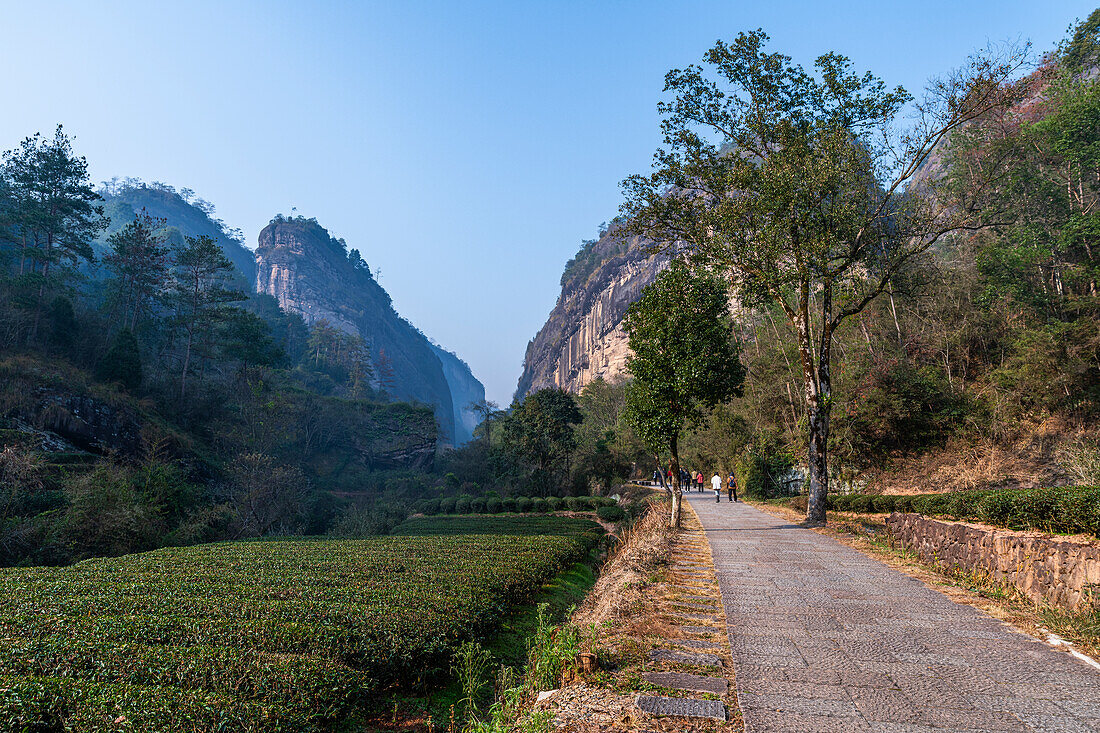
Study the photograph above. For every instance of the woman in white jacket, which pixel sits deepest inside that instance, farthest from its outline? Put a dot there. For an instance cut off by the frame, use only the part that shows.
(716, 484)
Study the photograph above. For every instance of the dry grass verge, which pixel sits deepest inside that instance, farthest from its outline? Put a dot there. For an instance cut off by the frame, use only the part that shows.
(630, 611)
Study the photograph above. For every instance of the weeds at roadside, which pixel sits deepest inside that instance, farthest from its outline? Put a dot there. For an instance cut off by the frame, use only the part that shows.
(550, 653)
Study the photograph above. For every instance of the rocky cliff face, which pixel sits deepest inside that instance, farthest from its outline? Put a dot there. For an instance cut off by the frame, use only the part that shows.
(583, 337)
(465, 390)
(311, 273)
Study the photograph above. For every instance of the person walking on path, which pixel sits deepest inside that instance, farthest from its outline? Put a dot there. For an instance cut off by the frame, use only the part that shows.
(731, 486)
(699, 481)
(716, 484)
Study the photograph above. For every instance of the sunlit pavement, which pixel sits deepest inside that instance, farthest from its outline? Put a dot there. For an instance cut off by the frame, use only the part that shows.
(825, 638)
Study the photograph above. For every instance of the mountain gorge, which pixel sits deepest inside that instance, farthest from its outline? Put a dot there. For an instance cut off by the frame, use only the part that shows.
(311, 273)
(583, 337)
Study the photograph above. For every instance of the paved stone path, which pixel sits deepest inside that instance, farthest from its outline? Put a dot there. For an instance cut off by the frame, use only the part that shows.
(825, 638)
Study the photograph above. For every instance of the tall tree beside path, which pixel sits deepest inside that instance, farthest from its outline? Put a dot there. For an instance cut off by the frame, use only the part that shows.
(55, 216)
(683, 359)
(801, 188)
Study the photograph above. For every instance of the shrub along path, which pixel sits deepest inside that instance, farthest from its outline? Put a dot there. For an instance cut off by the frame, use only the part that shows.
(825, 638)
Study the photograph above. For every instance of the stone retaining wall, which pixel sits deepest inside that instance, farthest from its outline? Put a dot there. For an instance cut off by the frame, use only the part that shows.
(1044, 568)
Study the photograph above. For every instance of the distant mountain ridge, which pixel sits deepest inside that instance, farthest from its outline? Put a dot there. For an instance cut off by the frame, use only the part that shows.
(184, 213)
(313, 274)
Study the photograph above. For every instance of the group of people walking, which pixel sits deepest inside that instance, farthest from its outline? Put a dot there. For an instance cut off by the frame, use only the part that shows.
(689, 479)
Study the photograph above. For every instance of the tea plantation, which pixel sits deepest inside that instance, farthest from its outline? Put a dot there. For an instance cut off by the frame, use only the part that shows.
(290, 635)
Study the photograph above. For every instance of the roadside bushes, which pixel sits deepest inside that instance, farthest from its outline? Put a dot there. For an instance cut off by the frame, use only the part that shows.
(1066, 509)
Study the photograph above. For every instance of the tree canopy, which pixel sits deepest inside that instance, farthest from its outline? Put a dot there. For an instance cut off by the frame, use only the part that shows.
(684, 359)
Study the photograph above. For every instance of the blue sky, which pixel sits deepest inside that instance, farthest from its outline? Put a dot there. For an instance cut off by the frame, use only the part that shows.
(465, 148)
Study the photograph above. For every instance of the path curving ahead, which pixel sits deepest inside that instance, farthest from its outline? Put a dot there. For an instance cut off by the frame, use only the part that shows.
(825, 638)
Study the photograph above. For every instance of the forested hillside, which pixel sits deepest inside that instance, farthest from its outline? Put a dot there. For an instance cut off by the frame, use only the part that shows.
(978, 365)
(149, 398)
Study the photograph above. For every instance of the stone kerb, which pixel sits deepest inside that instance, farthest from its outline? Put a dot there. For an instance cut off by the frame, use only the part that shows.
(1046, 569)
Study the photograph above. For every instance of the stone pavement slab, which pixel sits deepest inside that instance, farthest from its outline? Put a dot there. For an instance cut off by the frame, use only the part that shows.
(679, 657)
(682, 707)
(689, 682)
(826, 638)
(694, 643)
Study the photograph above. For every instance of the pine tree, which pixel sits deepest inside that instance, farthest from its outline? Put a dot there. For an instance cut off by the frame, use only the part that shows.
(138, 260)
(55, 216)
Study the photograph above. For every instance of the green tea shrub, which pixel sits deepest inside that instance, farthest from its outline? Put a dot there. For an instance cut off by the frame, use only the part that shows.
(430, 507)
(477, 505)
(447, 505)
(1068, 509)
(539, 505)
(523, 504)
(462, 506)
(611, 513)
(493, 505)
(508, 504)
(555, 503)
(883, 504)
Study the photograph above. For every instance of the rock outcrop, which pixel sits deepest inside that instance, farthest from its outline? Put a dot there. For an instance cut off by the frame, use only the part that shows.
(309, 272)
(583, 337)
(465, 391)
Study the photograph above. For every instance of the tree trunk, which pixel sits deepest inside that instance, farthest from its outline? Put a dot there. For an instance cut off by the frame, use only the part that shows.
(677, 490)
(660, 472)
(186, 366)
(820, 404)
(818, 462)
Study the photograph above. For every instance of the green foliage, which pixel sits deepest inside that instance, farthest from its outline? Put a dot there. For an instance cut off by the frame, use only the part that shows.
(255, 636)
(508, 504)
(1066, 509)
(755, 471)
(683, 355)
(540, 431)
(470, 667)
(116, 509)
(895, 408)
(517, 526)
(462, 506)
(122, 362)
(1083, 49)
(610, 513)
(493, 505)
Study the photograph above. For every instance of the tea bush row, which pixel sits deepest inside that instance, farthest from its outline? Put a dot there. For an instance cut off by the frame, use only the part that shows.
(511, 505)
(1065, 509)
(287, 635)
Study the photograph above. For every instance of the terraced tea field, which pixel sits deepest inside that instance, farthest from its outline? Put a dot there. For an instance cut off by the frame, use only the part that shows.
(290, 635)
